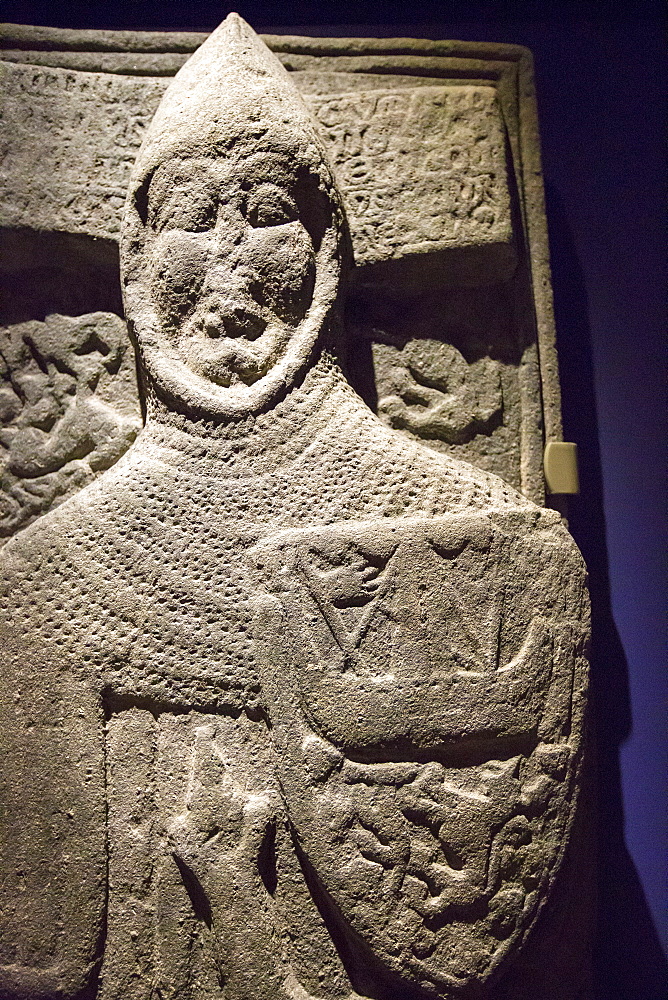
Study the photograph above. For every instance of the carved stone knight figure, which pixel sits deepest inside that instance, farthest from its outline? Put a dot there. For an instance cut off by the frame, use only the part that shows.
(292, 706)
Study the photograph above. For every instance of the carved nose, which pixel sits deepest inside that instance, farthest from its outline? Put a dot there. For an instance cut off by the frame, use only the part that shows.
(229, 230)
(233, 319)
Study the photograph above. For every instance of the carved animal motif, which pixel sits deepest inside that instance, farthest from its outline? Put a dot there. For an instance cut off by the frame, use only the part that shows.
(69, 409)
(292, 705)
(420, 688)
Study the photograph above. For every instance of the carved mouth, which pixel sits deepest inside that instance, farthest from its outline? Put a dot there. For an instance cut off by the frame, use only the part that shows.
(229, 339)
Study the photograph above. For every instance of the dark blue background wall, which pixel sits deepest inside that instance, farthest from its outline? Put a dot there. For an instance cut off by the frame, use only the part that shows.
(601, 78)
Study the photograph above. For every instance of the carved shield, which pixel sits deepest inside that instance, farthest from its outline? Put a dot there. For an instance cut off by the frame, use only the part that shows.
(423, 679)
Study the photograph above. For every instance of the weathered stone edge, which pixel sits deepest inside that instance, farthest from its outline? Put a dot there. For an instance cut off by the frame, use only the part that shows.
(23, 36)
(518, 77)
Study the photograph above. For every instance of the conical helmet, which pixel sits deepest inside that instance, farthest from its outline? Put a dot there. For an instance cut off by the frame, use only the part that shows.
(234, 235)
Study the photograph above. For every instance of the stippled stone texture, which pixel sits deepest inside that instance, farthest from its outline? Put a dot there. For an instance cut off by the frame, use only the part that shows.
(292, 704)
(426, 147)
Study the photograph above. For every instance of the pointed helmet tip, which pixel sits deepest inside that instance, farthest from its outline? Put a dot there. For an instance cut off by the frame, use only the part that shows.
(234, 24)
(232, 86)
(233, 20)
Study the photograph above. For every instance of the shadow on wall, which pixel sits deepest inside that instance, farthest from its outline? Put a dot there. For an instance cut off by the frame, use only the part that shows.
(629, 960)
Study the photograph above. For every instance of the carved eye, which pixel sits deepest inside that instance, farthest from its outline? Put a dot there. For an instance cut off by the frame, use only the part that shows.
(184, 208)
(268, 205)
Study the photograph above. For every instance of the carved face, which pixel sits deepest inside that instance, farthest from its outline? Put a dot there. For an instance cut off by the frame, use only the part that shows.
(233, 262)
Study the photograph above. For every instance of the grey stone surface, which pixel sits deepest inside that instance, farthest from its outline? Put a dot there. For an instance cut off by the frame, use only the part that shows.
(468, 220)
(293, 704)
(422, 170)
(69, 409)
(440, 148)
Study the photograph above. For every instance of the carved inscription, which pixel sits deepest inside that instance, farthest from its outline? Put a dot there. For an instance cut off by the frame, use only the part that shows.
(421, 169)
(71, 141)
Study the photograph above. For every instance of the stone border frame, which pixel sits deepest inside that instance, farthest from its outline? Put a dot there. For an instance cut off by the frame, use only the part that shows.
(507, 67)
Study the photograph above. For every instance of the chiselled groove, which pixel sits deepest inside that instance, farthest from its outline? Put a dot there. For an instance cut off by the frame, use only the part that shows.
(294, 702)
(266, 861)
(200, 902)
(115, 703)
(461, 754)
